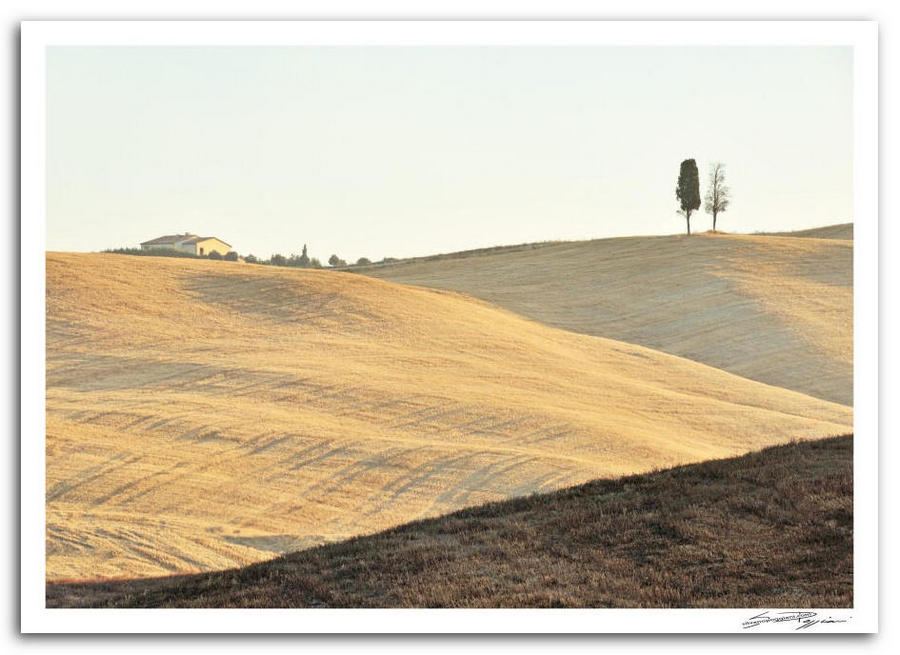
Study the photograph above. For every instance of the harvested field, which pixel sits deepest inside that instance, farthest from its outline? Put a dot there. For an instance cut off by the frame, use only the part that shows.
(203, 414)
(771, 529)
(839, 231)
(770, 308)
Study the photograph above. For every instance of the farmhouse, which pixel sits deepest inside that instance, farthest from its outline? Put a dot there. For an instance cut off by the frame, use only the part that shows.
(187, 242)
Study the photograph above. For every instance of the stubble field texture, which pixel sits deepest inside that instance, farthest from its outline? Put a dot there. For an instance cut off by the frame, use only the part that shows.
(773, 528)
(203, 415)
(776, 310)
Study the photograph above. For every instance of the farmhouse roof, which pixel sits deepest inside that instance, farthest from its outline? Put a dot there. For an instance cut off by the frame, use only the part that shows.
(199, 239)
(169, 238)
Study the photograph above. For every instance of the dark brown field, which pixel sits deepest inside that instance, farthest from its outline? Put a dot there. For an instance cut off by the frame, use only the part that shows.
(769, 529)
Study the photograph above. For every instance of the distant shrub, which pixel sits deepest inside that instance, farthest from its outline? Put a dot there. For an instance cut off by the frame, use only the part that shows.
(363, 261)
(335, 261)
(231, 256)
(278, 260)
(215, 254)
(297, 261)
(315, 263)
(251, 259)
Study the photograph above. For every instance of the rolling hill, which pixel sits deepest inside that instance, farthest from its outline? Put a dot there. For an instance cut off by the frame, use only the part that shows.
(769, 529)
(203, 415)
(838, 231)
(770, 308)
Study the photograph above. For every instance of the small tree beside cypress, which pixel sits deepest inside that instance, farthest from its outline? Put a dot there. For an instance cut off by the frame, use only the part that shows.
(718, 195)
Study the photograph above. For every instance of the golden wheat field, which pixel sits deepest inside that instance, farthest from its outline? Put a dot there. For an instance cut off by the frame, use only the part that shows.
(770, 308)
(207, 414)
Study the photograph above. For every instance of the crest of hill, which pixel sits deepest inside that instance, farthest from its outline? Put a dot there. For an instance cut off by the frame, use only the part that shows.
(203, 415)
(773, 309)
(839, 231)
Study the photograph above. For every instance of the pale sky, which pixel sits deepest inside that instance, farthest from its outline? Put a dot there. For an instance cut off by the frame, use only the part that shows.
(403, 151)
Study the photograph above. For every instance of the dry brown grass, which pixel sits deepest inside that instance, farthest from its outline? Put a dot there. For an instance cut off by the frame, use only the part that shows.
(773, 309)
(202, 415)
(770, 529)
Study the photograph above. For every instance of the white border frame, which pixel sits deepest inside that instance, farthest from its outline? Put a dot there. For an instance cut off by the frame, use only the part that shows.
(36, 36)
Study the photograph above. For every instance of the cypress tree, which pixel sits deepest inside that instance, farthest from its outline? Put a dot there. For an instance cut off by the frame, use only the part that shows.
(688, 190)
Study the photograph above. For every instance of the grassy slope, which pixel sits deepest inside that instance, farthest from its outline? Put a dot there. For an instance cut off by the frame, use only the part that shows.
(774, 309)
(202, 415)
(838, 231)
(770, 529)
